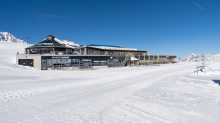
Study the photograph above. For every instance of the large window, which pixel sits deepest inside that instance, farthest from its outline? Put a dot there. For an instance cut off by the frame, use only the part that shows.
(86, 63)
(49, 62)
(26, 62)
(44, 50)
(69, 50)
(103, 62)
(66, 62)
(94, 52)
(34, 51)
(96, 63)
(58, 62)
(75, 62)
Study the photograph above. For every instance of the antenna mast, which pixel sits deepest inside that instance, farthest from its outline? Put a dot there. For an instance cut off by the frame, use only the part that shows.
(27, 38)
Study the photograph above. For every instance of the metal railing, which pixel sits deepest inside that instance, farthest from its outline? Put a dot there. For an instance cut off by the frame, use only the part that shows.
(63, 54)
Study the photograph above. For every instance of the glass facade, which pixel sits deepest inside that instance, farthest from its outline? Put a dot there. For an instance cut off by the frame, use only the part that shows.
(94, 51)
(73, 61)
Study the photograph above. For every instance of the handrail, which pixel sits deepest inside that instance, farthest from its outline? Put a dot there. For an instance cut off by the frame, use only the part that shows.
(64, 54)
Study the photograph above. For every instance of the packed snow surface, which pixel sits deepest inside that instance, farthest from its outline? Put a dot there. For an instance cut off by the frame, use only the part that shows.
(199, 58)
(5, 36)
(158, 94)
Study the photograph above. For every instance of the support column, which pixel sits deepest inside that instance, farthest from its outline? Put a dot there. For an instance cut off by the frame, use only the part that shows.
(139, 59)
(84, 51)
(158, 59)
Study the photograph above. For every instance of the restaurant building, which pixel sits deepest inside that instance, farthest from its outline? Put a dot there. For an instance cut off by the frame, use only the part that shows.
(52, 53)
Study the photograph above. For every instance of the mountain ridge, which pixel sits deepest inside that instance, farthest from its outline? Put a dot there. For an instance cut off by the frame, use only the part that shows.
(8, 37)
(199, 58)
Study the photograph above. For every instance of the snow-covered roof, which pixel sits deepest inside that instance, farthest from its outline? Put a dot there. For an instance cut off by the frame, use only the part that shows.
(112, 48)
(67, 43)
(50, 40)
(133, 59)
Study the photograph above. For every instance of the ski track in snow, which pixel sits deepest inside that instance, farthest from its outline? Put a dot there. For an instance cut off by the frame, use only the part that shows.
(167, 93)
(5, 96)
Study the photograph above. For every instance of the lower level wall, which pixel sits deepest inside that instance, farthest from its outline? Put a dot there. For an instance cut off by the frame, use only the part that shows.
(36, 60)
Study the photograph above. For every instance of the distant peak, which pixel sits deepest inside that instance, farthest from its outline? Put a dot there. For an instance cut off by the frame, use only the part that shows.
(5, 36)
(199, 58)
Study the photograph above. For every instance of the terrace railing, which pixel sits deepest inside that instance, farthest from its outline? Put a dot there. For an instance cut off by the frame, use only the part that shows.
(63, 54)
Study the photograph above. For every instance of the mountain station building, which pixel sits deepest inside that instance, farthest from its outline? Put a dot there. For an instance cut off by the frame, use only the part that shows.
(52, 53)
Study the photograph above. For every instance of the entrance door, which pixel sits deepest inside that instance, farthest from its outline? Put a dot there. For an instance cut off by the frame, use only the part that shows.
(86, 63)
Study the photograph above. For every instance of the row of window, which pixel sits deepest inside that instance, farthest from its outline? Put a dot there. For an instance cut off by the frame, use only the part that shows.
(96, 51)
(79, 57)
(92, 51)
(148, 57)
(47, 50)
(72, 62)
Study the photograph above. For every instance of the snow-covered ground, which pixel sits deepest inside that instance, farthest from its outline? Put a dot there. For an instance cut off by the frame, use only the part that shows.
(165, 93)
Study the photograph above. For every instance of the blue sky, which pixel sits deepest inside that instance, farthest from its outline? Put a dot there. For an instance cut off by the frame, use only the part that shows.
(177, 27)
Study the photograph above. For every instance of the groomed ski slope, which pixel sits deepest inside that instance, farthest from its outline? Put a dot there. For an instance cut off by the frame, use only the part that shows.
(166, 93)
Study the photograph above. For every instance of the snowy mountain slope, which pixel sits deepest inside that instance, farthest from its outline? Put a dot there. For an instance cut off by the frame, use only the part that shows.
(158, 94)
(5, 36)
(8, 53)
(199, 57)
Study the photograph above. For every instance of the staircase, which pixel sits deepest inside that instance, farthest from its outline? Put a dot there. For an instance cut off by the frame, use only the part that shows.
(125, 61)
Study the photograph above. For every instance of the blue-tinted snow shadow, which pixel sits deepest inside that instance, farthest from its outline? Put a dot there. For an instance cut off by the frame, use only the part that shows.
(216, 81)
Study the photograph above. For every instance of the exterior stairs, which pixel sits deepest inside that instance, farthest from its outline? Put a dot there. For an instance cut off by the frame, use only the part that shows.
(125, 61)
